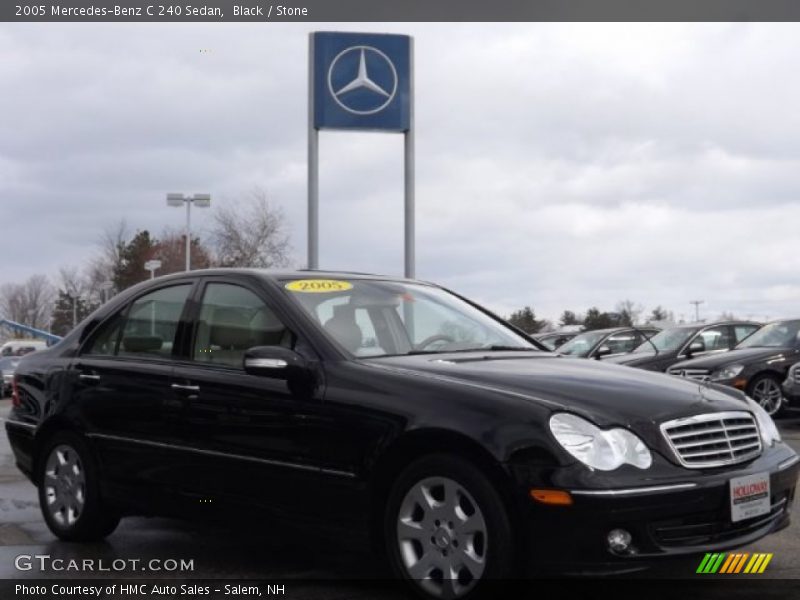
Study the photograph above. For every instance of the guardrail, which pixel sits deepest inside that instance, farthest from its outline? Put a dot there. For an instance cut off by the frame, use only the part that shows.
(19, 327)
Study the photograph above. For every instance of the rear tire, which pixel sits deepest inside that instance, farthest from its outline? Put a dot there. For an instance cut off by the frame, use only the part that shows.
(447, 529)
(69, 491)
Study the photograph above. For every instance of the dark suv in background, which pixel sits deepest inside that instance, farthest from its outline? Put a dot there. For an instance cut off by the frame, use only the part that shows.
(602, 343)
(757, 366)
(683, 342)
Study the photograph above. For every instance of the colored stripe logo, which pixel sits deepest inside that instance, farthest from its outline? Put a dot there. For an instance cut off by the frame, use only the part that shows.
(734, 563)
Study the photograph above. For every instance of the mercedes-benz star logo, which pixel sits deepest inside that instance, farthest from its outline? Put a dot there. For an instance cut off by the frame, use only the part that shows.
(362, 80)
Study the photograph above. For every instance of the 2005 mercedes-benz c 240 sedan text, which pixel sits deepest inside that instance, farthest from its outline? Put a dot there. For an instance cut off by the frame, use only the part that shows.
(394, 407)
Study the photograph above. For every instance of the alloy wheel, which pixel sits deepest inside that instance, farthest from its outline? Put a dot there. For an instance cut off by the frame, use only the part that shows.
(768, 394)
(64, 485)
(442, 537)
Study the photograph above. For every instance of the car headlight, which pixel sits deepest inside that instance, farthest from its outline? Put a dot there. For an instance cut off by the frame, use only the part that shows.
(767, 427)
(727, 372)
(597, 448)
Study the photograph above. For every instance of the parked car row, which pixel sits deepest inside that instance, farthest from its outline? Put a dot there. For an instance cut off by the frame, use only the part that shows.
(755, 359)
(758, 366)
(8, 365)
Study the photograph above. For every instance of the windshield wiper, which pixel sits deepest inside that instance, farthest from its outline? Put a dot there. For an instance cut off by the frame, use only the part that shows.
(494, 348)
(498, 348)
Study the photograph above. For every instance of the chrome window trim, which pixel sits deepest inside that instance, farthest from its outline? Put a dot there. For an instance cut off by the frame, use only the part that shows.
(19, 423)
(215, 453)
(675, 487)
(706, 418)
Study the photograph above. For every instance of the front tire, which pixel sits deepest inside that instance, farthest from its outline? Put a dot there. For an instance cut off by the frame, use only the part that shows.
(446, 528)
(69, 491)
(766, 390)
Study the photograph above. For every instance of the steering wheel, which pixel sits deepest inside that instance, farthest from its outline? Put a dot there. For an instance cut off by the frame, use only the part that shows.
(438, 337)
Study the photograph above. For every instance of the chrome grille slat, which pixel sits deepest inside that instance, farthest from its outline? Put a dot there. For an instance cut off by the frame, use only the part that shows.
(713, 439)
(697, 374)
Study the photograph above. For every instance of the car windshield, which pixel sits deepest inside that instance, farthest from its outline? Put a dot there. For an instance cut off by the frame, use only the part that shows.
(780, 334)
(549, 341)
(667, 340)
(371, 318)
(582, 344)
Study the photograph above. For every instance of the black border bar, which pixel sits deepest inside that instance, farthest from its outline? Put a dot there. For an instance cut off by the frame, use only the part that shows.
(154, 11)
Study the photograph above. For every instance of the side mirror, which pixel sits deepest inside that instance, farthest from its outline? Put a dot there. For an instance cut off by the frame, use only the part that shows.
(695, 347)
(276, 362)
(602, 351)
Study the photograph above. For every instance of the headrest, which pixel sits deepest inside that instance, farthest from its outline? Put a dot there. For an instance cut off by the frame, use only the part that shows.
(148, 343)
(230, 328)
(343, 327)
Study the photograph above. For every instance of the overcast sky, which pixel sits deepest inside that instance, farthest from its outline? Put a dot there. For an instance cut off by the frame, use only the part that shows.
(560, 166)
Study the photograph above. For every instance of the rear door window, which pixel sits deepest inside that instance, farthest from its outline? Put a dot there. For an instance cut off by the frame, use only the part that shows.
(152, 323)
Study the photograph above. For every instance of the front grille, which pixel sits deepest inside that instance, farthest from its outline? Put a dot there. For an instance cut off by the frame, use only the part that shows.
(711, 528)
(713, 440)
(697, 374)
(797, 376)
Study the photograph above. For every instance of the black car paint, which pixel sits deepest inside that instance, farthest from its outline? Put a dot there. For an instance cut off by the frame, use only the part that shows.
(663, 360)
(249, 441)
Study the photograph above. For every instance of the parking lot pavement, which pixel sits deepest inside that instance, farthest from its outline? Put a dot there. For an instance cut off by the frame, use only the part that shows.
(241, 554)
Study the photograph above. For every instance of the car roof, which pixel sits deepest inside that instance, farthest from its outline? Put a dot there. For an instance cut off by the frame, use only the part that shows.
(280, 274)
(624, 328)
(713, 324)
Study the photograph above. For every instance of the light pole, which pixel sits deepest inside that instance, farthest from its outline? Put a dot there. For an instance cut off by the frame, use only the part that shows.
(200, 201)
(106, 287)
(153, 266)
(74, 298)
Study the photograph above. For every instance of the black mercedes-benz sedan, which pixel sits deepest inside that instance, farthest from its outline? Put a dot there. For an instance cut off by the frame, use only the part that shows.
(555, 339)
(394, 408)
(606, 343)
(757, 366)
(684, 342)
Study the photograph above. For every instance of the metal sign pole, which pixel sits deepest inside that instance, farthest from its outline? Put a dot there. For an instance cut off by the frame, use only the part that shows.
(409, 173)
(313, 168)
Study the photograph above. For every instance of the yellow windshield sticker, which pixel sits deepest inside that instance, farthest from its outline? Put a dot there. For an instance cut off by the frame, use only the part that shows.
(318, 286)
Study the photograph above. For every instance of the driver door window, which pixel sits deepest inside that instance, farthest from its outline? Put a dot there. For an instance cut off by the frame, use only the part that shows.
(716, 338)
(233, 319)
(623, 342)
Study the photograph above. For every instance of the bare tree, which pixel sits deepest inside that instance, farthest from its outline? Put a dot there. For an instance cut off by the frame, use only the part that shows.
(29, 303)
(629, 311)
(101, 267)
(39, 295)
(251, 234)
(12, 302)
(72, 282)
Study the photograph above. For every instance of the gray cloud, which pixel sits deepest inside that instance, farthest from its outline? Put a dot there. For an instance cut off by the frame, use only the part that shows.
(561, 166)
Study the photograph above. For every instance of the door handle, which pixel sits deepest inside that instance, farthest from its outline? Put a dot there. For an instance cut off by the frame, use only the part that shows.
(86, 376)
(187, 388)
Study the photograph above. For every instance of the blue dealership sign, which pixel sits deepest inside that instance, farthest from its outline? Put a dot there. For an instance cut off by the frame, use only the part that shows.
(361, 81)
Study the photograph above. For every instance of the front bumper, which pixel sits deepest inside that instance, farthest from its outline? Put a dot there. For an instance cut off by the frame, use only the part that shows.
(791, 392)
(668, 519)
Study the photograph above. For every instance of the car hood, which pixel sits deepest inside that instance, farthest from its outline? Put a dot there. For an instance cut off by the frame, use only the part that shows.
(608, 394)
(742, 356)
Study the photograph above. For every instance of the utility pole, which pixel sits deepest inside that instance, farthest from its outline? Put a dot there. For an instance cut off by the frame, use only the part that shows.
(697, 304)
